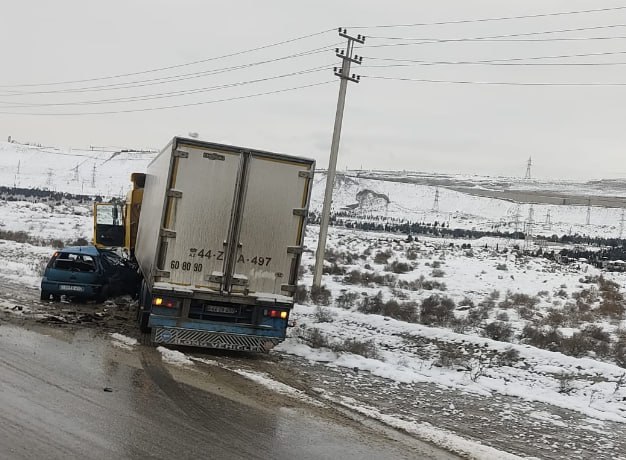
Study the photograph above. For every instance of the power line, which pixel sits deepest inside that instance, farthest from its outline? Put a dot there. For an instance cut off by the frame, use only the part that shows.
(502, 83)
(148, 109)
(503, 40)
(164, 80)
(419, 41)
(504, 18)
(176, 66)
(503, 60)
(164, 95)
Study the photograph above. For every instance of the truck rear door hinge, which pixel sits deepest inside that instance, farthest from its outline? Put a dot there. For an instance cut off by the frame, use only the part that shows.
(295, 249)
(181, 154)
(162, 273)
(165, 233)
(215, 277)
(300, 212)
(213, 156)
(307, 174)
(174, 193)
(288, 288)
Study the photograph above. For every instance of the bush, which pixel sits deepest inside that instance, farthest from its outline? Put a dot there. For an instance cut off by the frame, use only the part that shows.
(314, 338)
(403, 311)
(437, 273)
(398, 267)
(366, 348)
(498, 330)
(320, 295)
(436, 310)
(549, 339)
(323, 315)
(502, 267)
(301, 295)
(372, 305)
(347, 300)
(382, 258)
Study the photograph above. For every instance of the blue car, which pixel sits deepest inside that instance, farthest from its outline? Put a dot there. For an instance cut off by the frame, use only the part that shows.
(87, 273)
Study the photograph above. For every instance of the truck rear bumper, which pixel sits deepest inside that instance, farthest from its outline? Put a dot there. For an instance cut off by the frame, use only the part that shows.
(210, 339)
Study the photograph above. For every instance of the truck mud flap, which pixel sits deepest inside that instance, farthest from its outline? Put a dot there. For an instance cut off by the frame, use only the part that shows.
(208, 339)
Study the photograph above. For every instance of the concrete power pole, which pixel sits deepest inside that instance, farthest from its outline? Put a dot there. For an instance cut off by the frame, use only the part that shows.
(347, 58)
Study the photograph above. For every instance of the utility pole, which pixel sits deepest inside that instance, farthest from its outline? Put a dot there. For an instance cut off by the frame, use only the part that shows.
(549, 220)
(621, 226)
(93, 176)
(588, 219)
(347, 58)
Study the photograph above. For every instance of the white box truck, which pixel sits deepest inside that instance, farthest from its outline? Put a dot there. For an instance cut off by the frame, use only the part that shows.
(219, 242)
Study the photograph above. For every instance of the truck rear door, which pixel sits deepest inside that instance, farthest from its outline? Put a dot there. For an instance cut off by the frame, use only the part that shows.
(202, 190)
(272, 223)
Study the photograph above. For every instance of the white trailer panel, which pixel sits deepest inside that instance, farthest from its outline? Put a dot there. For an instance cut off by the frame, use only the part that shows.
(269, 228)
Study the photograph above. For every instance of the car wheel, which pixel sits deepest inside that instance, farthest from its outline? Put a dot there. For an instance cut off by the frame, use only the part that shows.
(104, 294)
(56, 297)
(45, 295)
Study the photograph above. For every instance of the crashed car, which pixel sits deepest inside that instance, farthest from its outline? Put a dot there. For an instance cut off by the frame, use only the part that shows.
(88, 273)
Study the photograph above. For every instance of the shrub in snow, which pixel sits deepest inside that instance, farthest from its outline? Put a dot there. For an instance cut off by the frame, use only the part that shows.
(372, 305)
(347, 299)
(437, 273)
(323, 315)
(619, 350)
(382, 258)
(502, 267)
(398, 267)
(366, 348)
(498, 330)
(314, 338)
(555, 318)
(320, 295)
(301, 295)
(548, 339)
(334, 269)
(436, 310)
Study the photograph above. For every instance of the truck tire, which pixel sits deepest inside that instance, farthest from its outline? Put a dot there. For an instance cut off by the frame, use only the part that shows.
(143, 308)
(144, 316)
(103, 295)
(45, 295)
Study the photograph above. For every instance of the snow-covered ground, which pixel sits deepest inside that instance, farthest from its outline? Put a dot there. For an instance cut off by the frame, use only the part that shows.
(455, 353)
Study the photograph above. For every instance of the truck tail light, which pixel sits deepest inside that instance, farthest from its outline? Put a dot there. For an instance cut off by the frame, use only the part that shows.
(282, 314)
(164, 302)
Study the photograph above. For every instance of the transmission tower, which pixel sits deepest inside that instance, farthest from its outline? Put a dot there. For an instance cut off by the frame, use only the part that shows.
(548, 220)
(621, 225)
(93, 176)
(49, 179)
(436, 203)
(529, 164)
(347, 57)
(588, 219)
(19, 162)
(75, 169)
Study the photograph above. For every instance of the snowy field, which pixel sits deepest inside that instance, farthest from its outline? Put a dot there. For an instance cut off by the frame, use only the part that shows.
(474, 316)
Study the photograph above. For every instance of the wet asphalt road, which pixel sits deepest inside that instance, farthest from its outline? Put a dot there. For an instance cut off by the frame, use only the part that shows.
(72, 394)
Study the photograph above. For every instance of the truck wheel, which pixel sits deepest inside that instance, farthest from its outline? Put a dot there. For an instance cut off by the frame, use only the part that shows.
(45, 295)
(144, 316)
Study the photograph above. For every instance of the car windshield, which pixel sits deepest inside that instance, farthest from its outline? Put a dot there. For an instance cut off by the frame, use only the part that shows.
(75, 262)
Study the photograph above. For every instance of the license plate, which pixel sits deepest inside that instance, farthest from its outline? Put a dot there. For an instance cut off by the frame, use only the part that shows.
(66, 287)
(220, 309)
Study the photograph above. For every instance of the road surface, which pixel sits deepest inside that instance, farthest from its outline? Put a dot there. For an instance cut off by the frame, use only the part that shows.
(70, 393)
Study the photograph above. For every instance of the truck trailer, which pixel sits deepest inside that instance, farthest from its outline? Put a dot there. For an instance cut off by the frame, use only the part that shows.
(219, 239)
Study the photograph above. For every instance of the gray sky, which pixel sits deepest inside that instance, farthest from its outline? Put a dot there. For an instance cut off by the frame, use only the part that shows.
(571, 132)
